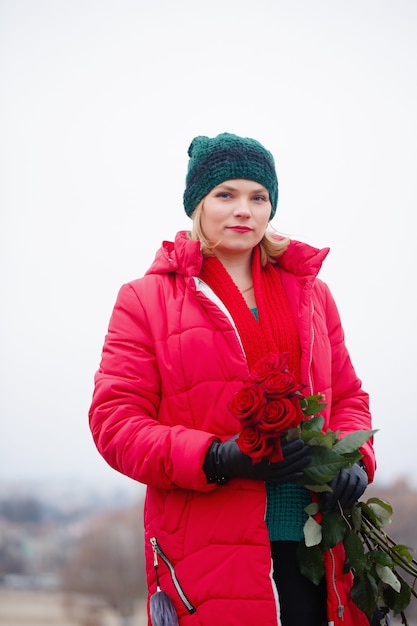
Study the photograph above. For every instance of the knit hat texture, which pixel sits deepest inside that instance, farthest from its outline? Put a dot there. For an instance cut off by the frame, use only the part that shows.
(227, 157)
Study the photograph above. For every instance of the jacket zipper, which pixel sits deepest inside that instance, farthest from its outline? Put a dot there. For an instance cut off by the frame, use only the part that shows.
(157, 551)
(340, 607)
(310, 361)
(203, 288)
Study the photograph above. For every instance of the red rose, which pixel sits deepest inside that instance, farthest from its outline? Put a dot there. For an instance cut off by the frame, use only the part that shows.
(279, 384)
(279, 416)
(269, 364)
(248, 403)
(276, 455)
(254, 443)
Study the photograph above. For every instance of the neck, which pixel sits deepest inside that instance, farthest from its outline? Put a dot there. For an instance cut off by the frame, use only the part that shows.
(239, 267)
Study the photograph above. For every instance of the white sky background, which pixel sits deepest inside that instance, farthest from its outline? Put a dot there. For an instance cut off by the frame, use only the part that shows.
(99, 101)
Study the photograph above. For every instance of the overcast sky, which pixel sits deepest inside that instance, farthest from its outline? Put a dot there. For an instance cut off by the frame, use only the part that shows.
(99, 101)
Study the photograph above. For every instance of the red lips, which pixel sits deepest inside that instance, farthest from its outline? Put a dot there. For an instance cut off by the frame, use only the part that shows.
(240, 229)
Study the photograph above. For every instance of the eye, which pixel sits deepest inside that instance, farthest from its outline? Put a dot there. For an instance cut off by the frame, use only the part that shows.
(223, 194)
(260, 198)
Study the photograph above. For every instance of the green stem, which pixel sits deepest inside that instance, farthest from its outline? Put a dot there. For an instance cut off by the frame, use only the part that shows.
(404, 619)
(385, 542)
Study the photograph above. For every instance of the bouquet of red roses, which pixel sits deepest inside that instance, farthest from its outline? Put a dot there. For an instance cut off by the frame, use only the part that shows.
(271, 407)
(267, 406)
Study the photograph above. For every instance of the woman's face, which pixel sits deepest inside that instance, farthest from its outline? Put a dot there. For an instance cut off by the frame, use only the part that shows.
(235, 216)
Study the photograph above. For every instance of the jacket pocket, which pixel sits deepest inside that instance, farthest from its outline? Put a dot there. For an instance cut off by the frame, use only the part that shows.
(159, 553)
(172, 505)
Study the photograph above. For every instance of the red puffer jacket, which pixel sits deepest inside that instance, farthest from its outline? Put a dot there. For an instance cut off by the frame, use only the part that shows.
(171, 363)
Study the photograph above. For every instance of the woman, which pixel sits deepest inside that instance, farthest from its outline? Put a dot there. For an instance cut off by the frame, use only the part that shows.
(181, 342)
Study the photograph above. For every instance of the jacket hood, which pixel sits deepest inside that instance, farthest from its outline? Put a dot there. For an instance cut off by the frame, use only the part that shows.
(183, 256)
(302, 259)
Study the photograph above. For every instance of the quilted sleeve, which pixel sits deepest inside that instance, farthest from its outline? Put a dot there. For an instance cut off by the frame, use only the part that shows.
(350, 403)
(123, 415)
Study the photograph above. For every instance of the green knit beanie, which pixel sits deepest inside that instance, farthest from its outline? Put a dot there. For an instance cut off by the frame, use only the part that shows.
(227, 157)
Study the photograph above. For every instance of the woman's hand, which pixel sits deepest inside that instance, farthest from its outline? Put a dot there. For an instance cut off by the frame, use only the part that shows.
(225, 460)
(347, 487)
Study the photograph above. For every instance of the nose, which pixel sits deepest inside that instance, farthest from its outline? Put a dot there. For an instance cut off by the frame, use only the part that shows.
(242, 208)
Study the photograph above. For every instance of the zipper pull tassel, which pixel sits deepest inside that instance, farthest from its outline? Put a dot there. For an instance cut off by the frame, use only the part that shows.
(158, 552)
(155, 561)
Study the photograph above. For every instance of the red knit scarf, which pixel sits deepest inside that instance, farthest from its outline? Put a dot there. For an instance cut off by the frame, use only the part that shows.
(276, 330)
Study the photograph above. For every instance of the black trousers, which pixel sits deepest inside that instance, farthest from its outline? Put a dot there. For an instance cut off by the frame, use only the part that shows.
(302, 602)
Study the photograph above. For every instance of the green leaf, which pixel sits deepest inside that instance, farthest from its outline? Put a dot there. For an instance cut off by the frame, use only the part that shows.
(314, 438)
(333, 530)
(400, 552)
(351, 458)
(388, 577)
(355, 552)
(320, 439)
(381, 509)
(312, 405)
(312, 532)
(381, 558)
(310, 562)
(312, 508)
(364, 593)
(324, 465)
(383, 504)
(314, 424)
(397, 602)
(369, 514)
(293, 433)
(353, 441)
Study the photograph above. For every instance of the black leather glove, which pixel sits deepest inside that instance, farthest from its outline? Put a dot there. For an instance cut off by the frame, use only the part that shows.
(347, 487)
(225, 460)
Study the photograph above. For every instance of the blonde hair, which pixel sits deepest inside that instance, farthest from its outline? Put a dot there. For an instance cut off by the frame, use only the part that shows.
(272, 244)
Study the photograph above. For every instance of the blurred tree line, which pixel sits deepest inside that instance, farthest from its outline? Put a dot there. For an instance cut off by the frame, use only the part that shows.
(95, 558)
(108, 563)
